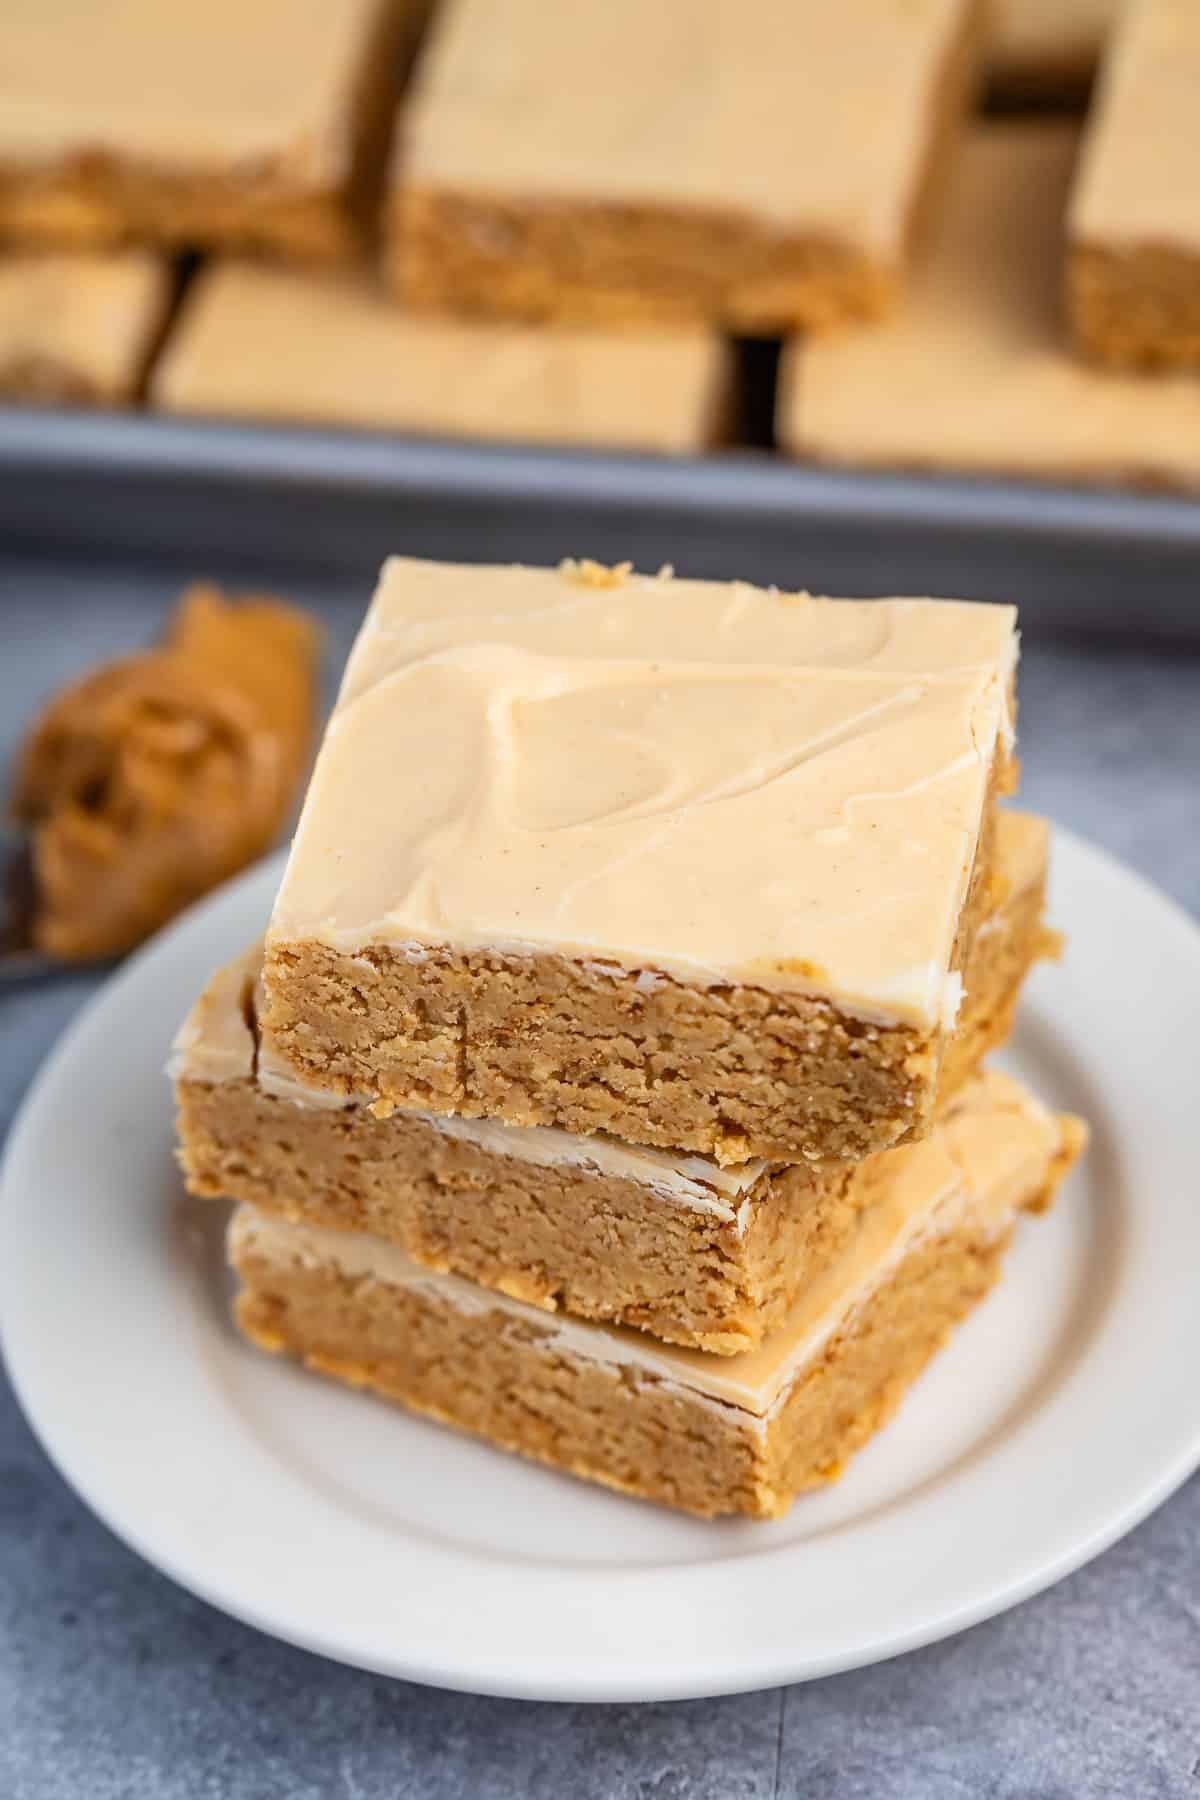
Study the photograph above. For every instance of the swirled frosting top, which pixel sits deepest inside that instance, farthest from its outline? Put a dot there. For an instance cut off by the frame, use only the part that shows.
(697, 780)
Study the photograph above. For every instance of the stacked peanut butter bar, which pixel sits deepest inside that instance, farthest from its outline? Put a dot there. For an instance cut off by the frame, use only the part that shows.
(607, 1083)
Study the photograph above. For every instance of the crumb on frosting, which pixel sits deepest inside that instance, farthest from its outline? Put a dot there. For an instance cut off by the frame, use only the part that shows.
(799, 965)
(594, 574)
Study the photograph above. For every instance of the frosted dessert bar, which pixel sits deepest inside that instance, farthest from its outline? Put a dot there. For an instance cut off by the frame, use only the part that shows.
(695, 864)
(1134, 273)
(974, 372)
(201, 122)
(328, 347)
(757, 167)
(78, 330)
(709, 1434)
(674, 1244)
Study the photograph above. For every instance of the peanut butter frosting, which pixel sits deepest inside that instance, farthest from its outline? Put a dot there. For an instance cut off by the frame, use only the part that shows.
(713, 781)
(216, 1042)
(585, 609)
(331, 348)
(991, 1155)
(79, 328)
(184, 84)
(974, 371)
(813, 118)
(1139, 177)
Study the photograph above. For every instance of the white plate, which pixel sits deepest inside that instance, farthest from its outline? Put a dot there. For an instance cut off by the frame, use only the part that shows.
(1062, 1412)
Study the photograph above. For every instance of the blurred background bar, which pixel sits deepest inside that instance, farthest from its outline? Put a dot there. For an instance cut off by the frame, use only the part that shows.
(595, 227)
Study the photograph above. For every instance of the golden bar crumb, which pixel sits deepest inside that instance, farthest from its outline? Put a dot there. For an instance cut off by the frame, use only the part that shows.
(198, 121)
(756, 166)
(1134, 279)
(673, 1244)
(974, 372)
(156, 777)
(78, 329)
(330, 348)
(692, 863)
(707, 1434)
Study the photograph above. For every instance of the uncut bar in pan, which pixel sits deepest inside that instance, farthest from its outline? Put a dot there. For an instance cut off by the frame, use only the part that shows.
(1134, 268)
(79, 329)
(201, 122)
(974, 372)
(329, 347)
(756, 167)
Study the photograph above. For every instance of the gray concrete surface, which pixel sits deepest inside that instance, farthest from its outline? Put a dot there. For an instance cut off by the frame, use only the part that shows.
(114, 1685)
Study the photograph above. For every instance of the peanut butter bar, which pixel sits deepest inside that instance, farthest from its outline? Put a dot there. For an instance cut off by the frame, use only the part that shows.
(707, 1434)
(79, 330)
(263, 125)
(692, 863)
(756, 166)
(1134, 287)
(322, 348)
(156, 777)
(675, 1244)
(973, 373)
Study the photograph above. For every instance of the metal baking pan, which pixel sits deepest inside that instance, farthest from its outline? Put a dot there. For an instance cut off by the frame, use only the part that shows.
(320, 505)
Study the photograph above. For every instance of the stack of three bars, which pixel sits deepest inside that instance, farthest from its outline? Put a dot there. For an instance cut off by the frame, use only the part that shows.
(608, 1082)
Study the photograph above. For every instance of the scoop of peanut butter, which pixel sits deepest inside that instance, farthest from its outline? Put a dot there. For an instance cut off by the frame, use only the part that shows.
(153, 779)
